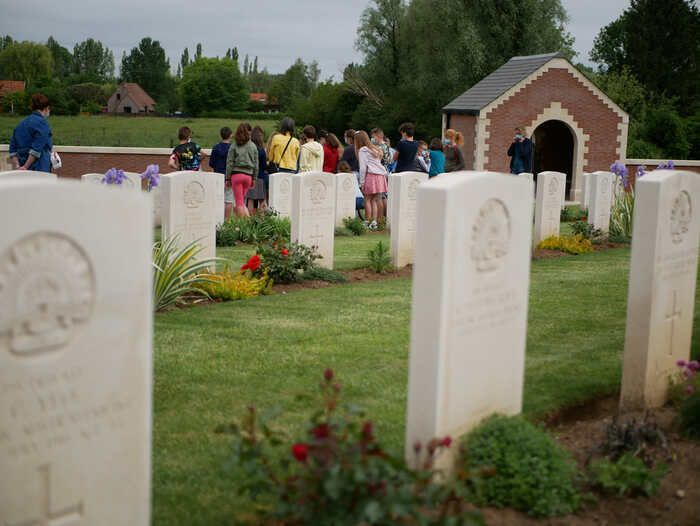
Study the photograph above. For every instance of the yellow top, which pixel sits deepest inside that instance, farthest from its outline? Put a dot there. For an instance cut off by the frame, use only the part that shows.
(289, 161)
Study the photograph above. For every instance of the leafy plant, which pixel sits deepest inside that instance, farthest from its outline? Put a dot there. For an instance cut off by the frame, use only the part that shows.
(355, 225)
(177, 273)
(632, 437)
(339, 473)
(324, 274)
(587, 231)
(285, 263)
(572, 213)
(257, 228)
(627, 476)
(685, 393)
(622, 216)
(575, 245)
(529, 470)
(380, 259)
(230, 286)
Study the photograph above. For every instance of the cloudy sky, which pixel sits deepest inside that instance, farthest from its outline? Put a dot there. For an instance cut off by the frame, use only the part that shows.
(278, 31)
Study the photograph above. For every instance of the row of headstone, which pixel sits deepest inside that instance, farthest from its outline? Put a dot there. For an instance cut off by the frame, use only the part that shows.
(470, 296)
(75, 354)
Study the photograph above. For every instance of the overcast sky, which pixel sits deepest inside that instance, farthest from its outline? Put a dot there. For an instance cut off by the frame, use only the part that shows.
(278, 31)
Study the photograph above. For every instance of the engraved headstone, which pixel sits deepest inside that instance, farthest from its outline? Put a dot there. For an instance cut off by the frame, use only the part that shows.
(527, 175)
(13, 174)
(661, 295)
(403, 195)
(313, 213)
(548, 204)
(281, 193)
(601, 199)
(470, 299)
(75, 355)
(131, 182)
(220, 195)
(190, 209)
(157, 197)
(344, 197)
(586, 190)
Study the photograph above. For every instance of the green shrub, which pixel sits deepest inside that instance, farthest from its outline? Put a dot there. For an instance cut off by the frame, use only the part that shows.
(324, 274)
(628, 476)
(232, 286)
(257, 228)
(632, 436)
(285, 263)
(587, 231)
(572, 213)
(380, 258)
(530, 471)
(177, 274)
(569, 244)
(685, 394)
(355, 225)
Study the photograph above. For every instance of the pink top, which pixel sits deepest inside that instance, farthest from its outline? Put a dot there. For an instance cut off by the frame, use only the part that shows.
(369, 163)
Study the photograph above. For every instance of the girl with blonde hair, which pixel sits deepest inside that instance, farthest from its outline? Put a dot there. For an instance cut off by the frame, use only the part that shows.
(454, 158)
(374, 175)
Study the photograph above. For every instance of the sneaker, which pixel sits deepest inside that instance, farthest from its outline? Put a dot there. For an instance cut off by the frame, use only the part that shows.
(373, 225)
(366, 223)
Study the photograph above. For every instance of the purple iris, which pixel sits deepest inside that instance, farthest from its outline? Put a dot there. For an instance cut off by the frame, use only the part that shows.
(620, 170)
(152, 175)
(640, 172)
(668, 165)
(114, 176)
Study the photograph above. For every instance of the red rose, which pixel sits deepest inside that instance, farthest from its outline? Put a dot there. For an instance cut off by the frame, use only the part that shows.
(328, 374)
(253, 264)
(300, 452)
(447, 441)
(284, 252)
(321, 431)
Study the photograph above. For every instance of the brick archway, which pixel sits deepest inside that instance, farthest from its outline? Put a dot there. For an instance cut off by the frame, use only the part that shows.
(555, 112)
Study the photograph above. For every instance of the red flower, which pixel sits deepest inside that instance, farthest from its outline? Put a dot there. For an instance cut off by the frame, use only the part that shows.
(253, 263)
(321, 431)
(284, 252)
(300, 452)
(328, 374)
(447, 441)
(367, 431)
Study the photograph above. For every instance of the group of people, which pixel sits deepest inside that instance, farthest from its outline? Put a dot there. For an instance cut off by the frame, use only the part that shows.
(246, 160)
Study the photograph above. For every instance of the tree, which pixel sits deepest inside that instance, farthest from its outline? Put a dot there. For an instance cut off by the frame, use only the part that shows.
(6, 41)
(62, 59)
(198, 52)
(185, 59)
(214, 85)
(255, 66)
(92, 62)
(658, 41)
(26, 61)
(246, 65)
(292, 84)
(148, 66)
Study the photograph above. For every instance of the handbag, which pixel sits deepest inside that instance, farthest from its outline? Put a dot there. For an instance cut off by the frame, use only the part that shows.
(273, 167)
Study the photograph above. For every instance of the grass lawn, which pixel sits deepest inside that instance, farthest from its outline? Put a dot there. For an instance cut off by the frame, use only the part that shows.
(211, 361)
(145, 132)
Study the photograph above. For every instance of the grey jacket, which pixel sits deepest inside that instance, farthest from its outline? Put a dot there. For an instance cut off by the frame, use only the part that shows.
(243, 159)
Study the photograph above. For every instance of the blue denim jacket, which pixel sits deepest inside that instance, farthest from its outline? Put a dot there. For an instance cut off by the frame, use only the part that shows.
(33, 136)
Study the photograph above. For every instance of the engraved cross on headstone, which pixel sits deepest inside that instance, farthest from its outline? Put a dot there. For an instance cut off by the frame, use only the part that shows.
(69, 516)
(674, 315)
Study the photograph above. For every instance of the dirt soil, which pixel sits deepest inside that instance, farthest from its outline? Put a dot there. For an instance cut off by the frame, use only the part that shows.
(354, 276)
(581, 430)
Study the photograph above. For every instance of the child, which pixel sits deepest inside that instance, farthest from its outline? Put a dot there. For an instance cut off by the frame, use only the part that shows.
(311, 153)
(454, 158)
(437, 158)
(406, 150)
(369, 157)
(217, 162)
(422, 158)
(187, 155)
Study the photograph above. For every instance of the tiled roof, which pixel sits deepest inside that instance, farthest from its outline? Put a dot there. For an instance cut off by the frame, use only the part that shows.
(137, 94)
(497, 83)
(10, 86)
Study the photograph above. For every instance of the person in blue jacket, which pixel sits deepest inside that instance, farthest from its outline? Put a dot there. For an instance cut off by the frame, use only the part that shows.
(30, 146)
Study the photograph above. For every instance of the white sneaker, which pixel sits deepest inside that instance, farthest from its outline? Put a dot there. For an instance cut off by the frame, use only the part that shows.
(373, 225)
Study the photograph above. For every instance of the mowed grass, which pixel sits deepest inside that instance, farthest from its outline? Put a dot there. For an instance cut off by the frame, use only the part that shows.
(210, 362)
(145, 132)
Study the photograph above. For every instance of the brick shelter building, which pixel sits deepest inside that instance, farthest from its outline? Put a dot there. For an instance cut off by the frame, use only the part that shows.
(130, 98)
(574, 126)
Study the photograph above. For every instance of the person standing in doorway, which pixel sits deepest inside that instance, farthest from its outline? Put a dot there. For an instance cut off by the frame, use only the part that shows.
(31, 142)
(454, 158)
(520, 153)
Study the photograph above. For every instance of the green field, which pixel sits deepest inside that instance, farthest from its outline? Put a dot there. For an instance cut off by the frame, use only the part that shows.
(145, 132)
(211, 361)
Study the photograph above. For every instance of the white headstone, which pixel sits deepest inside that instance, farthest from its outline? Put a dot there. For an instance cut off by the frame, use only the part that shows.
(470, 299)
(220, 196)
(601, 199)
(313, 213)
(157, 197)
(132, 181)
(190, 210)
(526, 175)
(663, 274)
(281, 193)
(548, 204)
(344, 197)
(75, 355)
(585, 190)
(403, 195)
(26, 174)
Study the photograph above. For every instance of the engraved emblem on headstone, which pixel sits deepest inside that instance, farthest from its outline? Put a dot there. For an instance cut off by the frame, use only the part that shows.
(553, 186)
(681, 214)
(47, 289)
(347, 184)
(490, 236)
(318, 192)
(285, 186)
(413, 188)
(194, 194)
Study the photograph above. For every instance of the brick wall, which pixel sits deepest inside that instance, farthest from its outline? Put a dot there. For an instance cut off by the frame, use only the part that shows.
(555, 85)
(466, 125)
